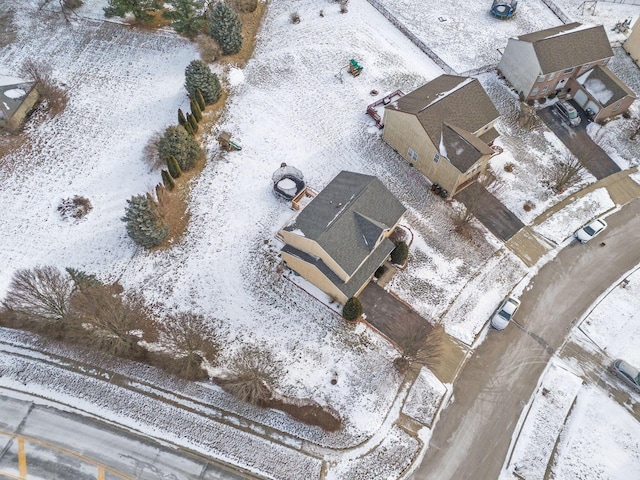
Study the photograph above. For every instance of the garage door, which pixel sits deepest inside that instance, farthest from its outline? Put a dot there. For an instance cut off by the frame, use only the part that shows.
(581, 98)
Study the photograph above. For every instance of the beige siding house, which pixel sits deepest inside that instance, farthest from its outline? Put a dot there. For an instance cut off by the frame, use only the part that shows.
(444, 129)
(569, 60)
(340, 238)
(632, 44)
(17, 98)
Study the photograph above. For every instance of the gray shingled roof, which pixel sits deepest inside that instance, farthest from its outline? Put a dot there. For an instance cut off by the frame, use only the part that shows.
(348, 216)
(463, 149)
(449, 99)
(568, 46)
(604, 85)
(359, 278)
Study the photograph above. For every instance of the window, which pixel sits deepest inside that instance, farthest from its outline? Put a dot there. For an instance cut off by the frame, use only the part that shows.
(551, 75)
(534, 92)
(569, 70)
(541, 78)
(412, 154)
(617, 106)
(586, 66)
(544, 90)
(436, 158)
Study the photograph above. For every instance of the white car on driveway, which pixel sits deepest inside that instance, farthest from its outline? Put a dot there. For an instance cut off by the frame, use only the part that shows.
(589, 231)
(505, 313)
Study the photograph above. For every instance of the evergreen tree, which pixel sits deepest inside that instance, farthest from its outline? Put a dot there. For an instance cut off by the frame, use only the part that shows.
(145, 224)
(177, 142)
(181, 118)
(142, 9)
(226, 28)
(400, 253)
(174, 169)
(189, 128)
(167, 180)
(195, 111)
(199, 76)
(200, 99)
(192, 122)
(185, 16)
(352, 310)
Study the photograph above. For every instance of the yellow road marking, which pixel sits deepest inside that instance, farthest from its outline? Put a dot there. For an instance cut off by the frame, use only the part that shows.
(22, 458)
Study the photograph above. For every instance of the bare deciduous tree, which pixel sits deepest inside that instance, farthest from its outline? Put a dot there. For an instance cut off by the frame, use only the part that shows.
(527, 117)
(421, 346)
(463, 212)
(190, 340)
(50, 93)
(565, 173)
(252, 376)
(109, 321)
(41, 294)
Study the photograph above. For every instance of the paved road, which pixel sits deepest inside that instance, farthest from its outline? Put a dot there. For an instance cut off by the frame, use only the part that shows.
(576, 139)
(62, 445)
(473, 435)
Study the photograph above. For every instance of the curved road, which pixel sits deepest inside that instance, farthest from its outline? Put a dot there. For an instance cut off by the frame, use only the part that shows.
(473, 435)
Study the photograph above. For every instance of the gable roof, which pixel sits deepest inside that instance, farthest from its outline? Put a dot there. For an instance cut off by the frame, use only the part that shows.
(347, 218)
(13, 92)
(451, 109)
(604, 86)
(568, 46)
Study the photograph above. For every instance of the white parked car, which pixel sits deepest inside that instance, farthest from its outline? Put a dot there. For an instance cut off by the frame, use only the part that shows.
(589, 231)
(505, 313)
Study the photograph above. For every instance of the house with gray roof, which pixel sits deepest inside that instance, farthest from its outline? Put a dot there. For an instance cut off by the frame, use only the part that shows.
(340, 238)
(17, 98)
(560, 60)
(444, 129)
(632, 43)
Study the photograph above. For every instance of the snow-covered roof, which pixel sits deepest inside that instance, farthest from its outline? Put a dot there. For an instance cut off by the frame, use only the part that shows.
(604, 86)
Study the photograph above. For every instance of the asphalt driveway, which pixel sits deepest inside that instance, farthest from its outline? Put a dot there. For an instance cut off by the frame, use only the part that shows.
(390, 315)
(576, 139)
(497, 218)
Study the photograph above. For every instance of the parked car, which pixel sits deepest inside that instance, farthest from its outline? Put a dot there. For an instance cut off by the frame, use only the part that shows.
(505, 313)
(568, 113)
(626, 372)
(589, 231)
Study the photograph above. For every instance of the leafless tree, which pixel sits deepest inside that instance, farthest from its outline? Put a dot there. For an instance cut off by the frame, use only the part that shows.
(7, 27)
(421, 346)
(41, 74)
(252, 376)
(41, 295)
(463, 213)
(527, 117)
(190, 340)
(635, 125)
(110, 321)
(565, 173)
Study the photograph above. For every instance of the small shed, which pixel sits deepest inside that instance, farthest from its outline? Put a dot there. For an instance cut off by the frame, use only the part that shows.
(288, 182)
(17, 99)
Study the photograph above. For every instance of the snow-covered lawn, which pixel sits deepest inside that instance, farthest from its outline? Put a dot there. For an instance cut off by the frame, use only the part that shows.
(565, 222)
(438, 23)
